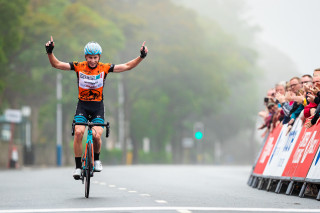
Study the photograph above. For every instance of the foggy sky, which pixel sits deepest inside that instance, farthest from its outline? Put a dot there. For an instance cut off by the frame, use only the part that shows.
(292, 26)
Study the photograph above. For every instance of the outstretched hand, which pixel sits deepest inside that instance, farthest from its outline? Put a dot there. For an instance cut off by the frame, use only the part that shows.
(308, 124)
(311, 98)
(299, 98)
(281, 98)
(143, 50)
(315, 90)
(50, 46)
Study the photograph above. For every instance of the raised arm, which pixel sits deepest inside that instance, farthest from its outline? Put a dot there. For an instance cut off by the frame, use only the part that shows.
(53, 60)
(133, 63)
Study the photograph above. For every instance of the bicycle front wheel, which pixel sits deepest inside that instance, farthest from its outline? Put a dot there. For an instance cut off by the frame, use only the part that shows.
(88, 170)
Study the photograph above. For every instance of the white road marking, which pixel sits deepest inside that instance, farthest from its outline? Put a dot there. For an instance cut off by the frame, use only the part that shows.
(103, 183)
(122, 189)
(159, 208)
(145, 195)
(132, 191)
(112, 186)
(161, 201)
(184, 211)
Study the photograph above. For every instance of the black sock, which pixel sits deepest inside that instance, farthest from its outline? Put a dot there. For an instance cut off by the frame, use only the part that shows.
(78, 162)
(96, 156)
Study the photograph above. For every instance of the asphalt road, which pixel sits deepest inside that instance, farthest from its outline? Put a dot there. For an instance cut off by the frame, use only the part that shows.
(154, 188)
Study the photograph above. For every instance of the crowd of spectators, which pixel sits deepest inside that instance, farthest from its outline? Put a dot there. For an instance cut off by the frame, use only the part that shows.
(285, 102)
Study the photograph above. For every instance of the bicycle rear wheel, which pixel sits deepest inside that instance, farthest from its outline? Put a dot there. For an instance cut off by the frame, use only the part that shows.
(88, 170)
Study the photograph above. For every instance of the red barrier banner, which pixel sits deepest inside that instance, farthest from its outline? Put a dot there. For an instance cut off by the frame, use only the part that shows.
(314, 171)
(267, 150)
(283, 149)
(303, 153)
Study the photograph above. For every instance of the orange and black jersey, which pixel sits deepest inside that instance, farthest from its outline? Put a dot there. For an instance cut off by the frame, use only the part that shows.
(91, 81)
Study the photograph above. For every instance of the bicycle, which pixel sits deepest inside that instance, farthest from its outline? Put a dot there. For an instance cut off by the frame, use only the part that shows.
(87, 168)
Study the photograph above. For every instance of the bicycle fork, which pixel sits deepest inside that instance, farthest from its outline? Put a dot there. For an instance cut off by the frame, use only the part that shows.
(85, 158)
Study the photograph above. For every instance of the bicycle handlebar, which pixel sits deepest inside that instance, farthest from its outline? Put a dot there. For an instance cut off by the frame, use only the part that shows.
(89, 124)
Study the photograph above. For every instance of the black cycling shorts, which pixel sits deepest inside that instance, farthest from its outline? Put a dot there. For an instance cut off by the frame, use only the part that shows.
(92, 111)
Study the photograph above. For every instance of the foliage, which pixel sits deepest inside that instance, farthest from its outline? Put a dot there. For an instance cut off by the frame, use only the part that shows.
(10, 37)
(155, 157)
(112, 157)
(11, 34)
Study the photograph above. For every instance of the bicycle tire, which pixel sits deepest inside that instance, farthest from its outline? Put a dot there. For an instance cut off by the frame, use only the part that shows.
(88, 170)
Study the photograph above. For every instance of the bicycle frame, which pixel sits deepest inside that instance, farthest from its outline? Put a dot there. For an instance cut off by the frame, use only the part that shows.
(88, 157)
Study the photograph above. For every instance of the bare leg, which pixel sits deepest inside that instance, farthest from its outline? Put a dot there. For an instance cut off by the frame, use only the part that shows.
(96, 134)
(77, 143)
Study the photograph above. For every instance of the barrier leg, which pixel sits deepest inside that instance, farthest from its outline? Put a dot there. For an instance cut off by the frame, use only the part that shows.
(250, 180)
(279, 187)
(290, 188)
(255, 182)
(269, 185)
(318, 196)
(303, 188)
(260, 185)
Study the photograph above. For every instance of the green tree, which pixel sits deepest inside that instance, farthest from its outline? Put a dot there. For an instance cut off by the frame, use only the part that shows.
(11, 16)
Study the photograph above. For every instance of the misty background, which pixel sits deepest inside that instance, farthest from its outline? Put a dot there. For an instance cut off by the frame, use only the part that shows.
(209, 62)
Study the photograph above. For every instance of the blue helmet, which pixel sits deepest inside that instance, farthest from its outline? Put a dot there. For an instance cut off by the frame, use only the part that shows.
(92, 48)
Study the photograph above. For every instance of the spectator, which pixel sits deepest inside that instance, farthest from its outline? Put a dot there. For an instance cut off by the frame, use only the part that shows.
(271, 111)
(315, 97)
(297, 94)
(269, 97)
(307, 83)
(298, 105)
(280, 90)
(295, 84)
(288, 88)
(309, 110)
(306, 80)
(271, 94)
(316, 80)
(299, 98)
(316, 72)
(281, 87)
(286, 103)
(310, 96)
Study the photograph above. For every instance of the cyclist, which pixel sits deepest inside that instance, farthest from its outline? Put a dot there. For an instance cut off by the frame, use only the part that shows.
(91, 76)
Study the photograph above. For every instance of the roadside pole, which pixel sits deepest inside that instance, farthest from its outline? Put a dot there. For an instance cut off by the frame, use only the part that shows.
(121, 127)
(59, 120)
(198, 132)
(11, 145)
(28, 157)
